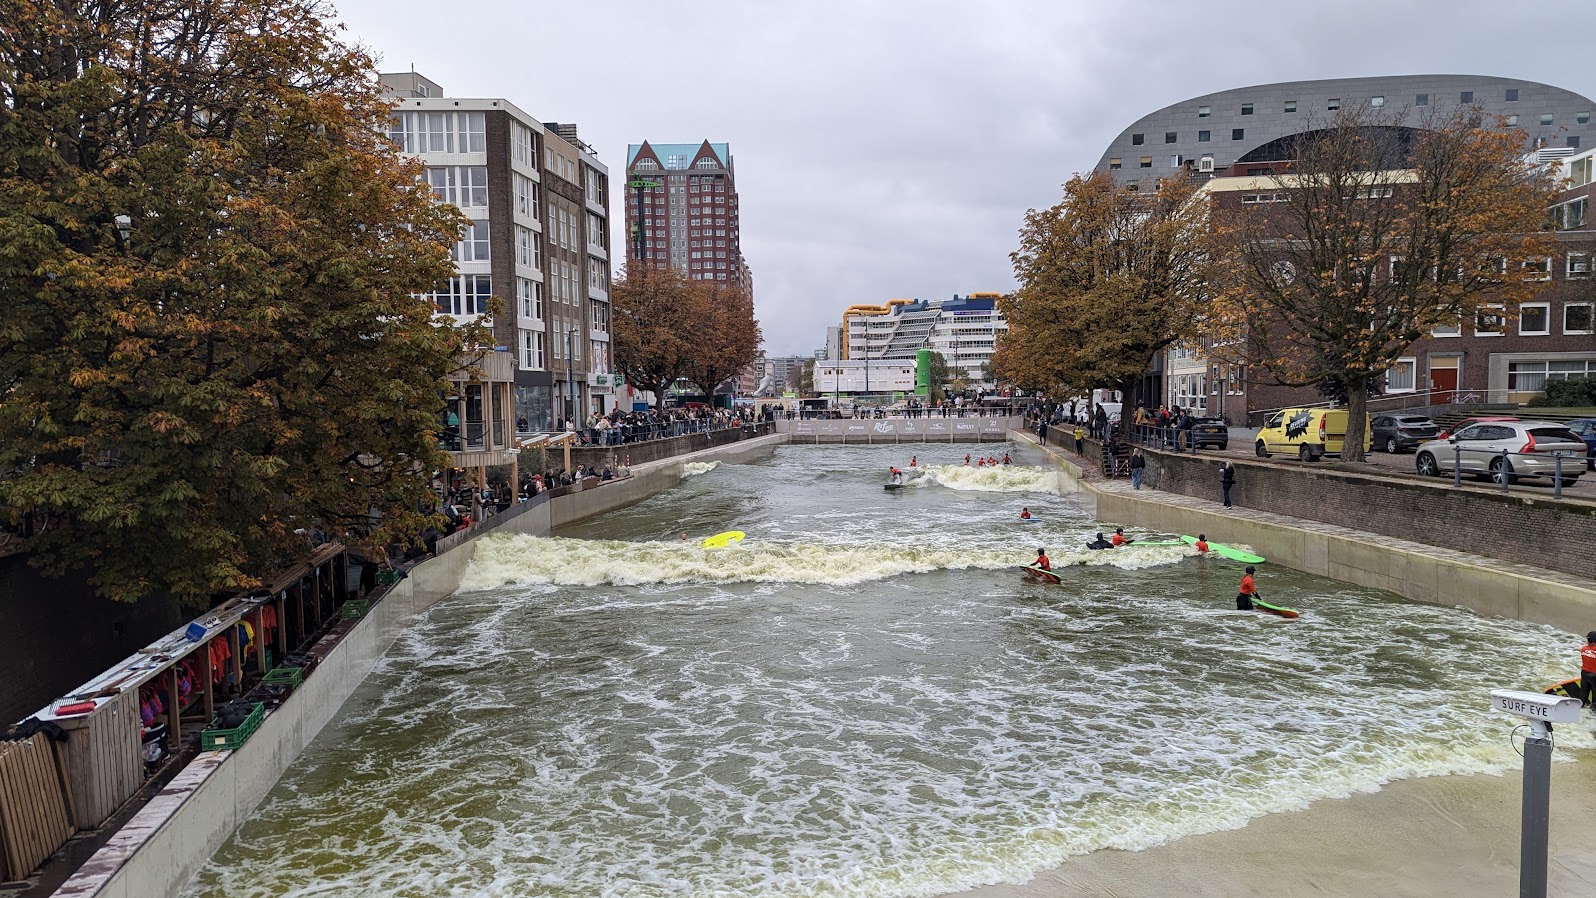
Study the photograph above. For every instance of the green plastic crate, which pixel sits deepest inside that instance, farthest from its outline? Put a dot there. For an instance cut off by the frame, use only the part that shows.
(388, 577)
(354, 609)
(228, 740)
(293, 676)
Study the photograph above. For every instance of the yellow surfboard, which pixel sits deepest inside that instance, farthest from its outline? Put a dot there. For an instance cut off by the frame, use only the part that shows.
(722, 540)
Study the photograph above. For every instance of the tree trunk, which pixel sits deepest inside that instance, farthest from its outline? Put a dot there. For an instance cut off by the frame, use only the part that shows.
(1357, 418)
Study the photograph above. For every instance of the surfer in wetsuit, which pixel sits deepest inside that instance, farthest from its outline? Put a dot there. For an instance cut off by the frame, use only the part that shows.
(914, 461)
(967, 461)
(1202, 542)
(897, 476)
(1042, 560)
(1100, 543)
(1025, 514)
(1248, 591)
(1005, 458)
(1120, 539)
(1587, 668)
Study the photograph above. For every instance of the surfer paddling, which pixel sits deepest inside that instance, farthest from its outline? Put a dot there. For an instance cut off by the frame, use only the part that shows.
(1100, 543)
(1025, 513)
(1120, 539)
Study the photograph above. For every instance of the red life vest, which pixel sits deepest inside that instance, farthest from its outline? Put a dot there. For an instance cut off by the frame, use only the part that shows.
(1587, 658)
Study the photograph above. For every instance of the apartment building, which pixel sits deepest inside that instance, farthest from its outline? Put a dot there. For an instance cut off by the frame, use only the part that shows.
(538, 241)
(684, 213)
(964, 330)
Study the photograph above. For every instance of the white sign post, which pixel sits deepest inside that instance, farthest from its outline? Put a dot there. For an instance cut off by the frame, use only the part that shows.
(1535, 818)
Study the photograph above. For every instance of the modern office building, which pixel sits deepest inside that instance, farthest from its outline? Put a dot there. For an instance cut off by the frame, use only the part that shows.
(1236, 143)
(687, 217)
(964, 330)
(537, 199)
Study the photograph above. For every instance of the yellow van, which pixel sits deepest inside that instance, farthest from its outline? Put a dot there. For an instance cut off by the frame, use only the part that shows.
(1309, 433)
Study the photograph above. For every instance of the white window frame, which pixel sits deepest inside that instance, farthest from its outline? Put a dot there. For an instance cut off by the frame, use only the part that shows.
(1537, 268)
(1578, 264)
(1590, 317)
(1546, 310)
(1496, 311)
(1412, 365)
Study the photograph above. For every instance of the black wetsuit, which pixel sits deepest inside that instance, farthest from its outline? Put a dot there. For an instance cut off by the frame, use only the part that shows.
(1099, 543)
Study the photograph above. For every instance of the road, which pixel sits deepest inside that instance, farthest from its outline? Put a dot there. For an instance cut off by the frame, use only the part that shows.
(1402, 464)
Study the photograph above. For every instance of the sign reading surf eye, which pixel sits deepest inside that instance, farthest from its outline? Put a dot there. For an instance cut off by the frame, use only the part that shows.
(1535, 706)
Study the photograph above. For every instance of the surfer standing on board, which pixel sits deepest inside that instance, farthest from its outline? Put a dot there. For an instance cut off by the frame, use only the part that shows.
(1248, 591)
(1587, 668)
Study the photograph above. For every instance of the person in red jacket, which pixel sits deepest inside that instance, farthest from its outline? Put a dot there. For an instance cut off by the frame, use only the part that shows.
(1202, 542)
(1120, 539)
(1587, 668)
(1248, 591)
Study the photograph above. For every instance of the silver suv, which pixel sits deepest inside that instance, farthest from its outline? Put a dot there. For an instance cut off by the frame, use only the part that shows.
(1530, 448)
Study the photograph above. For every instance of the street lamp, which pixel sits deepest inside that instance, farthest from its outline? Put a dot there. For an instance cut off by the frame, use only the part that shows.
(570, 377)
(640, 185)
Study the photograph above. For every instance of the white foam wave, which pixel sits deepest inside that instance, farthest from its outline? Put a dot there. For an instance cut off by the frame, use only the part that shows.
(520, 560)
(695, 468)
(993, 479)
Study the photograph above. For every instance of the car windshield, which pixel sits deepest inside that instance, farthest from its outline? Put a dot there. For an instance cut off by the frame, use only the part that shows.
(1554, 435)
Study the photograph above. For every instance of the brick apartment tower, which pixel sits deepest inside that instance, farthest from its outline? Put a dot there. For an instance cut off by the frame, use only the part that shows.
(689, 218)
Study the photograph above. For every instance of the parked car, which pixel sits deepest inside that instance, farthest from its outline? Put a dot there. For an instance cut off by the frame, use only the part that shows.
(1529, 446)
(1394, 433)
(1210, 432)
(1469, 422)
(1585, 429)
(1308, 433)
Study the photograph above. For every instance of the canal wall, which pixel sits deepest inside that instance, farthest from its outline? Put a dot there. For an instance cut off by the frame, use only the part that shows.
(870, 431)
(1414, 570)
(162, 846)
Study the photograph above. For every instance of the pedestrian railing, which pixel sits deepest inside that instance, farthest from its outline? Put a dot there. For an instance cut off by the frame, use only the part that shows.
(1567, 466)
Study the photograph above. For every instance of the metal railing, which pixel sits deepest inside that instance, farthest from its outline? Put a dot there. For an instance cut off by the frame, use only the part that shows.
(1500, 468)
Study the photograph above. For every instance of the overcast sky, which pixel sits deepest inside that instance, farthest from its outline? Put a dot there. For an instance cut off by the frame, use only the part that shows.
(890, 149)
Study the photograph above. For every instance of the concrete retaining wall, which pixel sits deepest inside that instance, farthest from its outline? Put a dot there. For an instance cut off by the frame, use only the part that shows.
(899, 430)
(166, 842)
(1410, 569)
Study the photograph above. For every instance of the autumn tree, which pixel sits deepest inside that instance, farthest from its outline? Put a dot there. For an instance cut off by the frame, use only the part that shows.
(1370, 236)
(212, 264)
(725, 339)
(656, 311)
(1108, 277)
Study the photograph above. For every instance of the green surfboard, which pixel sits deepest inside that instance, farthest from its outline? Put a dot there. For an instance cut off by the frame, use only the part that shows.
(1225, 551)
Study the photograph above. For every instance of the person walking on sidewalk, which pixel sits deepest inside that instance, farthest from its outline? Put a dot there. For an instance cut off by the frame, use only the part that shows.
(1080, 440)
(1138, 466)
(1227, 479)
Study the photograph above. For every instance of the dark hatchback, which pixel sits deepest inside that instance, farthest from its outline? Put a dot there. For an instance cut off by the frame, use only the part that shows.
(1394, 433)
(1586, 429)
(1211, 432)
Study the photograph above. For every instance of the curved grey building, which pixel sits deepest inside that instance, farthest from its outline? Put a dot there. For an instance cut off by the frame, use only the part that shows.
(1208, 135)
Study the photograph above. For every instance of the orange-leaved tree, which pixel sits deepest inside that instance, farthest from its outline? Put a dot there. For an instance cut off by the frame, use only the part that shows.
(656, 312)
(1108, 277)
(214, 271)
(1369, 236)
(725, 340)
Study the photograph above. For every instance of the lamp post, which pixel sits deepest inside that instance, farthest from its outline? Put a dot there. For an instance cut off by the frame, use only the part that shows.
(570, 378)
(640, 185)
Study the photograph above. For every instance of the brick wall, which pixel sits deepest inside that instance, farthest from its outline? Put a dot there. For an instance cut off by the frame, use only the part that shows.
(1515, 527)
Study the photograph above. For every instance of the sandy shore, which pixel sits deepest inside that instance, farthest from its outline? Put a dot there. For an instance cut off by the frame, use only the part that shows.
(1455, 836)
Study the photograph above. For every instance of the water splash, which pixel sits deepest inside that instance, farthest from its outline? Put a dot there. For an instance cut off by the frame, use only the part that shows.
(695, 468)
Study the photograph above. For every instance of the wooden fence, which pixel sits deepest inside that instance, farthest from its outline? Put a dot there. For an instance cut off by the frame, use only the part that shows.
(35, 816)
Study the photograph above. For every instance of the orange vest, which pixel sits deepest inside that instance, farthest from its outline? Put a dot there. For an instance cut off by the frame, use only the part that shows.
(1202, 546)
(1247, 589)
(1118, 540)
(1043, 563)
(1587, 658)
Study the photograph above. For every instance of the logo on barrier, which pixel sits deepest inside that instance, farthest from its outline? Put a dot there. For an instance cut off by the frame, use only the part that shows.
(856, 428)
(964, 426)
(883, 427)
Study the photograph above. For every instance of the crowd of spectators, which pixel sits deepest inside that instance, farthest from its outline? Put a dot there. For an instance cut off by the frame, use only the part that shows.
(619, 428)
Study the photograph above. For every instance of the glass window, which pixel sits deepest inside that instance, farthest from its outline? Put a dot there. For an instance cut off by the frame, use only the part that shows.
(1573, 141)
(1238, 133)
(1534, 319)
(1246, 109)
(1202, 136)
(1537, 269)
(1448, 330)
(1582, 117)
(1204, 111)
(1145, 162)
(1333, 104)
(1171, 136)
(1113, 163)
(1421, 100)
(1400, 378)
(1489, 322)
(1577, 318)
(1579, 264)
(1138, 139)
(473, 243)
(1376, 102)
(1546, 118)
(1291, 106)
(1466, 97)
(1512, 121)
(1512, 95)
(460, 185)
